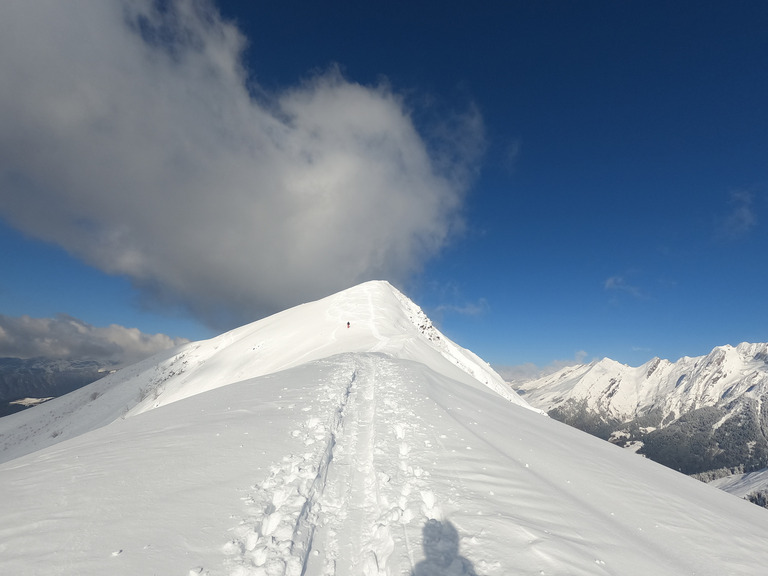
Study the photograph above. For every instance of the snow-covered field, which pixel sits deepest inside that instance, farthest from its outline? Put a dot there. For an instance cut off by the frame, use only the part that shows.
(298, 446)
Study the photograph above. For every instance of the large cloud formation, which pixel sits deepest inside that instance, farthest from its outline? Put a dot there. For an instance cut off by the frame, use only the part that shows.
(68, 338)
(133, 137)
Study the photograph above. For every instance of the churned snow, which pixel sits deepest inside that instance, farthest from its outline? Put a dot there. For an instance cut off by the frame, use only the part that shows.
(298, 446)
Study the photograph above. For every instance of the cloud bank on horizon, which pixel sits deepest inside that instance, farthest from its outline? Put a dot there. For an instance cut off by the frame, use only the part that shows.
(134, 139)
(65, 337)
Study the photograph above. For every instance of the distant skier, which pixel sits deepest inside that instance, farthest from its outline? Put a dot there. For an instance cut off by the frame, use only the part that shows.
(347, 324)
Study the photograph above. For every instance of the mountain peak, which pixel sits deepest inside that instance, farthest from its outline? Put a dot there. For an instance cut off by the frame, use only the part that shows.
(712, 402)
(372, 317)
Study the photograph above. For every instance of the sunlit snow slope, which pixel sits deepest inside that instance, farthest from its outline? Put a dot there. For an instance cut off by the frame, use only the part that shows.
(381, 319)
(298, 446)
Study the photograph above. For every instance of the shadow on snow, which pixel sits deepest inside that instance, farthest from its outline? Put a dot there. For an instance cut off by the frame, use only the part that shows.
(441, 552)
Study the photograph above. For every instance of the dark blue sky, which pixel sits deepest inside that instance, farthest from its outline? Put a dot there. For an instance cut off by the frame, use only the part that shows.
(623, 140)
(619, 206)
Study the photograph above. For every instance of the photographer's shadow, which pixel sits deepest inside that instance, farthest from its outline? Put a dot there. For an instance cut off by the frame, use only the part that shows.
(441, 552)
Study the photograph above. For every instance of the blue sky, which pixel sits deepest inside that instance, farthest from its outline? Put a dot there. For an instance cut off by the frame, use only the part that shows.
(550, 181)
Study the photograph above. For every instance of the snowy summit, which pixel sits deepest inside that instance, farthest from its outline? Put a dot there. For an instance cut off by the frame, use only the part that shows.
(345, 437)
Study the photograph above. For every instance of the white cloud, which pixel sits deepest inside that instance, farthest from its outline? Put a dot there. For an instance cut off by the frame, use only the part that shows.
(519, 374)
(131, 138)
(741, 217)
(620, 284)
(522, 373)
(466, 309)
(512, 154)
(66, 337)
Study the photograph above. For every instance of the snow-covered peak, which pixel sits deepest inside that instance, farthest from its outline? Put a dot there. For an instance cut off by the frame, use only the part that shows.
(624, 392)
(371, 317)
(756, 352)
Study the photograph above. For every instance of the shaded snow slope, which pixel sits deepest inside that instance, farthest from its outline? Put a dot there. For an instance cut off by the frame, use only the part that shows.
(361, 464)
(742, 485)
(381, 320)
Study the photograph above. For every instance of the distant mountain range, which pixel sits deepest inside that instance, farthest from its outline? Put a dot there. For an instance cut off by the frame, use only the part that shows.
(43, 378)
(705, 415)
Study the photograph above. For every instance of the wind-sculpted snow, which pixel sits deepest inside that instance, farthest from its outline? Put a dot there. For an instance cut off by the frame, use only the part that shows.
(381, 459)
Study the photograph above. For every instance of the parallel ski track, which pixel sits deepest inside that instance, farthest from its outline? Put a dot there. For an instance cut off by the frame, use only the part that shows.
(347, 505)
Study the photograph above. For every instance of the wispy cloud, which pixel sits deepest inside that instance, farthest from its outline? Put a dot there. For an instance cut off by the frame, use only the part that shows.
(620, 284)
(522, 373)
(741, 216)
(133, 137)
(512, 154)
(65, 337)
(477, 308)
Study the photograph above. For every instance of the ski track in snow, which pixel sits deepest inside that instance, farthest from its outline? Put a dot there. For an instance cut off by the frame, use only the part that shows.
(352, 479)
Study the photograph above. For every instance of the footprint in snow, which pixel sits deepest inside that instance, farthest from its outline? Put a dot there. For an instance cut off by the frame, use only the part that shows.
(429, 507)
(271, 522)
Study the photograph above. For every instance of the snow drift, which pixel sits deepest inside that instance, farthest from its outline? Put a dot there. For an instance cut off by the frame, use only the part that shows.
(298, 446)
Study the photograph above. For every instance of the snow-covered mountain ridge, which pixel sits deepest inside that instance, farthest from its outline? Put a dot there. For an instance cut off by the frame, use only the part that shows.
(297, 446)
(624, 392)
(381, 319)
(720, 396)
